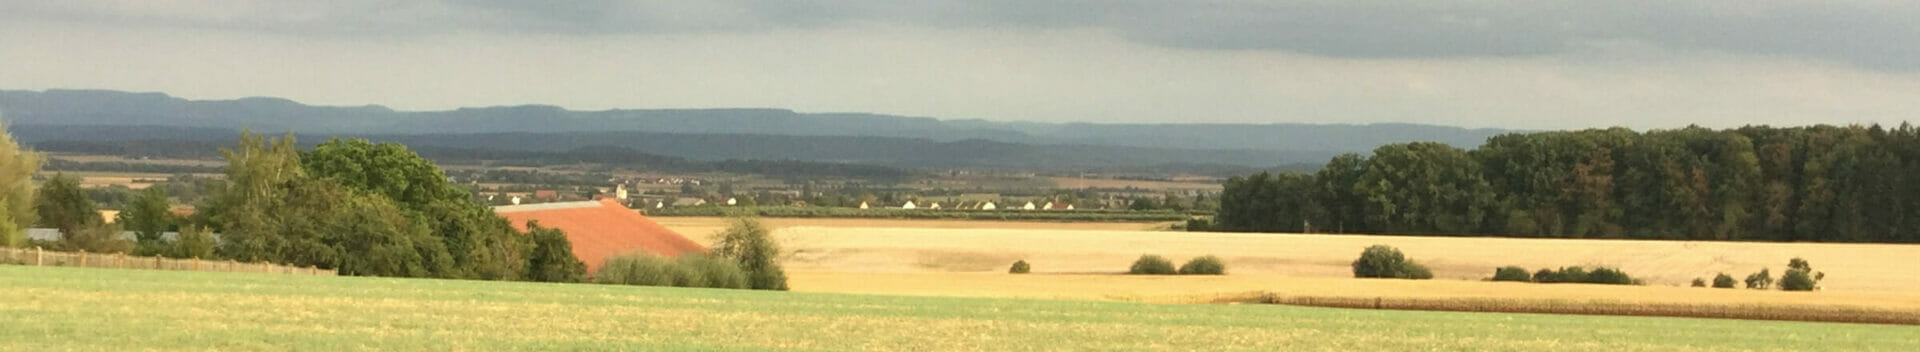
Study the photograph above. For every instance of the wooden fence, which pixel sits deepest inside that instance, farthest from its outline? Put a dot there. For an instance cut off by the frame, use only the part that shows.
(38, 257)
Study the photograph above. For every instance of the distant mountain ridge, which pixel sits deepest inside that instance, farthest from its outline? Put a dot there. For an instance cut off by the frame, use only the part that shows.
(104, 107)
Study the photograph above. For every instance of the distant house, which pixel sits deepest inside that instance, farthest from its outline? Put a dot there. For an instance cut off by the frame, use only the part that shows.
(1029, 206)
(863, 205)
(601, 229)
(909, 205)
(731, 201)
(934, 206)
(988, 206)
(546, 195)
(1058, 205)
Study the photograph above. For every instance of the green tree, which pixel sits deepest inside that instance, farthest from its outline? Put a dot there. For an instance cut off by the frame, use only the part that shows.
(97, 237)
(750, 245)
(1723, 280)
(477, 243)
(64, 206)
(551, 258)
(17, 212)
(149, 216)
(1425, 188)
(194, 242)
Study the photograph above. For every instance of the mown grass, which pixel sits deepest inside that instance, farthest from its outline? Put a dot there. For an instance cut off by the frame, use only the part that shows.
(48, 308)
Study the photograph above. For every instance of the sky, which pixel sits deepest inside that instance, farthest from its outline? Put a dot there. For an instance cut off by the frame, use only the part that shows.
(1505, 64)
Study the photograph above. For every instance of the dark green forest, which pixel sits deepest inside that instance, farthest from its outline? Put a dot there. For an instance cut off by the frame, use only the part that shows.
(1816, 184)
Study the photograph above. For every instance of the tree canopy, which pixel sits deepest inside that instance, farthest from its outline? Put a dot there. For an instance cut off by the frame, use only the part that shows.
(1819, 183)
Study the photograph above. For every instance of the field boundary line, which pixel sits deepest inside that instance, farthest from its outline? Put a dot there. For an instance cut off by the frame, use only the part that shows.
(1742, 311)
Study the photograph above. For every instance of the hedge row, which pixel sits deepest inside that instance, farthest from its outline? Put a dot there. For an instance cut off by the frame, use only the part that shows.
(686, 271)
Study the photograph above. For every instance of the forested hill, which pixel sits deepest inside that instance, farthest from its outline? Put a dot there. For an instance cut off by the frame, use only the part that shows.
(1309, 141)
(845, 152)
(1821, 183)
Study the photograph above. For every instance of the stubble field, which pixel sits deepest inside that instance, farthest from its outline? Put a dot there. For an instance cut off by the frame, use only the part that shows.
(53, 309)
(1079, 261)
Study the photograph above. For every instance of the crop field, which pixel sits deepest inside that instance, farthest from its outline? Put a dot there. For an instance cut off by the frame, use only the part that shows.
(1079, 261)
(50, 309)
(840, 246)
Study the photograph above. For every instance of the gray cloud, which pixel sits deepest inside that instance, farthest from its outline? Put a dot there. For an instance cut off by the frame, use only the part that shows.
(1876, 34)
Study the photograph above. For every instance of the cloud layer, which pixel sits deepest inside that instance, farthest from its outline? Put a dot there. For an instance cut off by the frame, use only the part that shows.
(1531, 64)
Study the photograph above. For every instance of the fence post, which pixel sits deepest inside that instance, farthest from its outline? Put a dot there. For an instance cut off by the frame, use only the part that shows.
(120, 258)
(196, 263)
(39, 257)
(156, 263)
(83, 258)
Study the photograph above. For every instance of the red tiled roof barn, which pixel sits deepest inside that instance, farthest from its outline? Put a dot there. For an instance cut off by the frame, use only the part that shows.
(601, 230)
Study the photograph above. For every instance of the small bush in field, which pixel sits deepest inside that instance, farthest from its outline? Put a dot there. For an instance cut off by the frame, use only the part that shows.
(1205, 265)
(1760, 281)
(1724, 281)
(1020, 267)
(1381, 261)
(1699, 282)
(1512, 273)
(1152, 265)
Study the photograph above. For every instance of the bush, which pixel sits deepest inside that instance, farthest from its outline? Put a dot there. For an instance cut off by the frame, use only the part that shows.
(1575, 274)
(636, 269)
(1381, 261)
(1723, 281)
(1511, 273)
(749, 246)
(1152, 265)
(1205, 265)
(1699, 282)
(718, 272)
(692, 270)
(1760, 280)
(1800, 276)
(1020, 267)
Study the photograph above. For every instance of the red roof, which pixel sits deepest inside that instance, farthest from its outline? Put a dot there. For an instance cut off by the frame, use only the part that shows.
(602, 229)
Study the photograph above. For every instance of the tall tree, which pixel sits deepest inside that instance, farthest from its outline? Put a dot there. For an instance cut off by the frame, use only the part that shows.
(64, 206)
(17, 167)
(148, 216)
(551, 259)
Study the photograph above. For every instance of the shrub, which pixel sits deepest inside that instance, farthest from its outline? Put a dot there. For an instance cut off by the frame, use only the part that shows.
(1511, 273)
(1417, 271)
(1020, 267)
(691, 270)
(1699, 282)
(1760, 280)
(1575, 274)
(1152, 265)
(1723, 281)
(1381, 261)
(719, 272)
(1800, 276)
(748, 245)
(1205, 265)
(1608, 276)
(636, 269)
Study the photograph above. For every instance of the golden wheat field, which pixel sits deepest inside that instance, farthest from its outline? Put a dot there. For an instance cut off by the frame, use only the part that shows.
(1076, 261)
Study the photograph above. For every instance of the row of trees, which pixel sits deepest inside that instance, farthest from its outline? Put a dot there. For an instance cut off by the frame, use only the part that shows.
(352, 205)
(1820, 183)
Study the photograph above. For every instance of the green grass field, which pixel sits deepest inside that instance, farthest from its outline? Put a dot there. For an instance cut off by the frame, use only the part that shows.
(48, 309)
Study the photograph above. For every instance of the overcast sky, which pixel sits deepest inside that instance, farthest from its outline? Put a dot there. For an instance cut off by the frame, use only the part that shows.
(1520, 64)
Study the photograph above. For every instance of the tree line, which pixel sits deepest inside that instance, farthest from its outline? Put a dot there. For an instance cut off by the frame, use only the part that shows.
(1818, 183)
(352, 205)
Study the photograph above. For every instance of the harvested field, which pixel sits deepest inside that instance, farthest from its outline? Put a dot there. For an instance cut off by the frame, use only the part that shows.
(99, 309)
(1849, 267)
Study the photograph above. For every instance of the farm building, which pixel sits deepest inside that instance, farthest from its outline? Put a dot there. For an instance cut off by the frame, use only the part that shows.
(601, 229)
